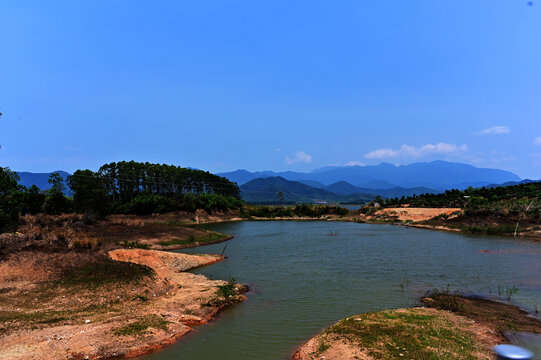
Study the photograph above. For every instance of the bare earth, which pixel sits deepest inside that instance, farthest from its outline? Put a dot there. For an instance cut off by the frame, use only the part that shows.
(417, 214)
(147, 315)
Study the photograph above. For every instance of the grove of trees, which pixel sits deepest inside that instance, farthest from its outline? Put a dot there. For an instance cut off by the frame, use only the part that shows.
(472, 198)
(123, 187)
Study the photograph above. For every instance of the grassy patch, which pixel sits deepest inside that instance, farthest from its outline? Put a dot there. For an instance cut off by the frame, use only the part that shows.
(105, 271)
(226, 294)
(227, 290)
(12, 320)
(135, 245)
(177, 222)
(41, 317)
(210, 236)
(411, 333)
(491, 230)
(322, 347)
(497, 315)
(140, 326)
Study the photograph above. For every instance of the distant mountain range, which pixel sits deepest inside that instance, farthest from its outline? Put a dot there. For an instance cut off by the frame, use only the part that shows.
(436, 175)
(345, 188)
(266, 191)
(334, 184)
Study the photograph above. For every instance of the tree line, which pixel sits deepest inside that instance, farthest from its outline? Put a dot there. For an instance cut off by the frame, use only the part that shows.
(123, 187)
(471, 197)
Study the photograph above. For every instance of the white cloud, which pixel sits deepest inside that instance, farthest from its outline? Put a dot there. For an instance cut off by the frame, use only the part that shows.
(301, 156)
(354, 163)
(537, 141)
(495, 130)
(408, 151)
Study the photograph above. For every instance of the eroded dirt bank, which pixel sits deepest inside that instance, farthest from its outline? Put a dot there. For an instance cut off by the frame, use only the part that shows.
(124, 305)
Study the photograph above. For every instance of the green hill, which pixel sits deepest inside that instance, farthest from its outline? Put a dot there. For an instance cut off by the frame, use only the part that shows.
(267, 190)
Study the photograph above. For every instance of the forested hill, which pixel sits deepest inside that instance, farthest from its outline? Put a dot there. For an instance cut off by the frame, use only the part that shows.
(472, 197)
(277, 190)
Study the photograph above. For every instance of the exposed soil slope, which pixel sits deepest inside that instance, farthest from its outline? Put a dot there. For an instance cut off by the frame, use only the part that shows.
(79, 305)
(416, 214)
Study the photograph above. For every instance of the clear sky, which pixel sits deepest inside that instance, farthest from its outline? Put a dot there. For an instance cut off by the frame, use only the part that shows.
(270, 85)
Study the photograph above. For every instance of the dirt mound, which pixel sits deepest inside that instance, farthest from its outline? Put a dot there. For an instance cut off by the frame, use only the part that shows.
(417, 333)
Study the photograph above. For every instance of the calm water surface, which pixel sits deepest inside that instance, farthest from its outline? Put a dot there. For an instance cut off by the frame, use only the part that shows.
(304, 276)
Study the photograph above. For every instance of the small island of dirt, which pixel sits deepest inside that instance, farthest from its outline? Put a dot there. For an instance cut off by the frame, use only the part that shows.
(454, 327)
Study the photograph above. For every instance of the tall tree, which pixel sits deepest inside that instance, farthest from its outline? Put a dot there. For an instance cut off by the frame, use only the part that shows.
(56, 202)
(9, 200)
(89, 192)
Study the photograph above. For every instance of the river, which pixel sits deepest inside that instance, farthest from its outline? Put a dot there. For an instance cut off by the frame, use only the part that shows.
(304, 276)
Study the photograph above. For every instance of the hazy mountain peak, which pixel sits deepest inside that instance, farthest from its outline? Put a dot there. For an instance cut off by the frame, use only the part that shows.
(437, 174)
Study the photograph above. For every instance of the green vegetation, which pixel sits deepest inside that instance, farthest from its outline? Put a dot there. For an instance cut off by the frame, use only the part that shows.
(279, 191)
(491, 230)
(10, 320)
(322, 347)
(103, 271)
(144, 188)
(135, 245)
(226, 295)
(9, 214)
(140, 326)
(478, 198)
(209, 237)
(508, 291)
(124, 187)
(497, 315)
(227, 290)
(302, 210)
(445, 299)
(410, 333)
(494, 211)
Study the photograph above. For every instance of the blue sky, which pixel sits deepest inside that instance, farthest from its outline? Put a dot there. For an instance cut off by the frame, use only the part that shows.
(270, 85)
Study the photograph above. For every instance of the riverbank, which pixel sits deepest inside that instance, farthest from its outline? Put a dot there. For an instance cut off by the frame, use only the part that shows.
(452, 327)
(454, 220)
(81, 306)
(49, 279)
